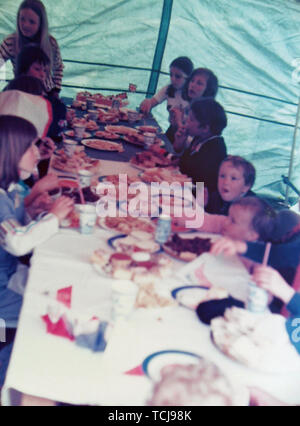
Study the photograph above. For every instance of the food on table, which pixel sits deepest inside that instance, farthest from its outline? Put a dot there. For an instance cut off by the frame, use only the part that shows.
(114, 179)
(148, 297)
(110, 116)
(71, 134)
(106, 135)
(124, 266)
(149, 159)
(147, 129)
(91, 125)
(128, 224)
(88, 194)
(201, 384)
(135, 139)
(160, 174)
(122, 130)
(72, 220)
(259, 341)
(187, 248)
(135, 242)
(103, 145)
(79, 160)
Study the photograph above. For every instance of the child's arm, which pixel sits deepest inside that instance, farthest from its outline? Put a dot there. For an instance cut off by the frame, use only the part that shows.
(211, 222)
(270, 280)
(41, 186)
(58, 65)
(147, 105)
(228, 247)
(19, 240)
(180, 140)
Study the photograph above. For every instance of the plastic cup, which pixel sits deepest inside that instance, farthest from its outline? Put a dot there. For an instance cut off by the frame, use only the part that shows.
(124, 294)
(149, 138)
(55, 193)
(87, 218)
(79, 131)
(69, 147)
(257, 298)
(85, 178)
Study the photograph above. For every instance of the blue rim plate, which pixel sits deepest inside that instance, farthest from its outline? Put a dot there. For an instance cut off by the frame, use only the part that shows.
(154, 362)
(111, 241)
(188, 288)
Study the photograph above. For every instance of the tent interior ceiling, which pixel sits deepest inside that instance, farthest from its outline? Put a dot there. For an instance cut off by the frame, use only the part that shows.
(252, 46)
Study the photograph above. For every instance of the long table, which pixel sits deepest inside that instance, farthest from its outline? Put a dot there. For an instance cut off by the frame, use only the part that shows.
(56, 369)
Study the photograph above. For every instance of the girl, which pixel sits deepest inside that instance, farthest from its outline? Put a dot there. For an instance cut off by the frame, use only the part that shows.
(32, 27)
(18, 158)
(180, 69)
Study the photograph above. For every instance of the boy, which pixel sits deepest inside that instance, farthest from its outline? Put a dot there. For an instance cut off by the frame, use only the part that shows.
(202, 158)
(235, 180)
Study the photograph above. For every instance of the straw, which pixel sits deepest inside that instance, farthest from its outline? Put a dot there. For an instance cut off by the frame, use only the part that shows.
(82, 200)
(266, 254)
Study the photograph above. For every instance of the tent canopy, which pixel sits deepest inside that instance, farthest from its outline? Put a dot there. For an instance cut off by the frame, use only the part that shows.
(252, 46)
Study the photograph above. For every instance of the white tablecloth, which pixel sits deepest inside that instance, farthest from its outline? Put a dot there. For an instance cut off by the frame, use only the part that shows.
(55, 368)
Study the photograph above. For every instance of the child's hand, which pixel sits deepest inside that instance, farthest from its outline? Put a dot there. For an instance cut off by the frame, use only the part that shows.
(41, 203)
(46, 148)
(46, 184)
(62, 207)
(228, 247)
(176, 117)
(270, 280)
(146, 106)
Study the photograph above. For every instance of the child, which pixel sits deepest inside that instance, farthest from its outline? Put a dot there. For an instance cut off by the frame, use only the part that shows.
(33, 62)
(32, 27)
(235, 180)
(270, 280)
(201, 84)
(202, 158)
(180, 69)
(285, 250)
(18, 157)
(249, 219)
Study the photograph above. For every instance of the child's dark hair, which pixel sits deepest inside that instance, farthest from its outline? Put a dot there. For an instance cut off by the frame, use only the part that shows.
(246, 166)
(264, 216)
(16, 136)
(28, 56)
(212, 83)
(184, 64)
(209, 112)
(27, 84)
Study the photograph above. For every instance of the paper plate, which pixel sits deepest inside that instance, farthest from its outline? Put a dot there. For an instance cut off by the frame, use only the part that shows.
(189, 296)
(153, 364)
(113, 243)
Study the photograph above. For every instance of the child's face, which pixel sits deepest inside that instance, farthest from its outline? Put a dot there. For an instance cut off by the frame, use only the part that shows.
(37, 70)
(197, 86)
(29, 159)
(194, 128)
(231, 182)
(29, 22)
(239, 224)
(177, 78)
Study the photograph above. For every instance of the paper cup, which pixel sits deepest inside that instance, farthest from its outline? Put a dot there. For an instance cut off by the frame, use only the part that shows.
(124, 294)
(55, 193)
(87, 218)
(79, 131)
(85, 178)
(133, 116)
(93, 114)
(90, 103)
(69, 147)
(149, 138)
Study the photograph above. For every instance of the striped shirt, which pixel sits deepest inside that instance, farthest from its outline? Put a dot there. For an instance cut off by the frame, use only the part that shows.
(8, 51)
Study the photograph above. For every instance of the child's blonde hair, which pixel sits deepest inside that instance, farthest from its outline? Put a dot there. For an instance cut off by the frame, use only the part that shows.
(43, 40)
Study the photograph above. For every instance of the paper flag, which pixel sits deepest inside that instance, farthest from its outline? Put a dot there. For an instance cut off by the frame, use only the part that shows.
(58, 329)
(136, 371)
(201, 278)
(132, 87)
(64, 295)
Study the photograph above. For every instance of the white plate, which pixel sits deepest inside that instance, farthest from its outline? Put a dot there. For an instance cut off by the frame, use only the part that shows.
(153, 364)
(189, 296)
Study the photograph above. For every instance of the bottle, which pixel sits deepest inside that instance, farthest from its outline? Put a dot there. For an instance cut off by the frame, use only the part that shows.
(163, 229)
(257, 299)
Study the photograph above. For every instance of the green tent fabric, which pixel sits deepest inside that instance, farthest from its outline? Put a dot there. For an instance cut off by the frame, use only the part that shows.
(250, 45)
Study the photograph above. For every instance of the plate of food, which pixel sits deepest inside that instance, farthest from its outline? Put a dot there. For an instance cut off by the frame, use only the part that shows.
(119, 265)
(154, 364)
(149, 159)
(91, 125)
(102, 145)
(147, 129)
(79, 160)
(186, 247)
(142, 208)
(122, 130)
(190, 296)
(164, 174)
(71, 134)
(127, 224)
(134, 139)
(137, 241)
(102, 134)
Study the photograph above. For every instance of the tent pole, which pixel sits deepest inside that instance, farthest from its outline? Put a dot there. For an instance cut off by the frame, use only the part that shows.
(293, 151)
